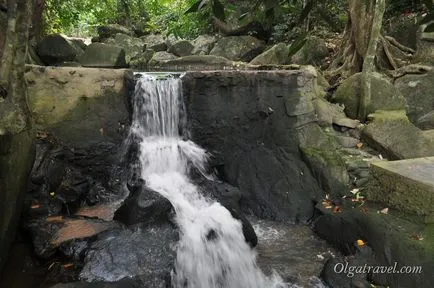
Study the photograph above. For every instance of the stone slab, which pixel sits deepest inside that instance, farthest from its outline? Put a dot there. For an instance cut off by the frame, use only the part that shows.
(407, 185)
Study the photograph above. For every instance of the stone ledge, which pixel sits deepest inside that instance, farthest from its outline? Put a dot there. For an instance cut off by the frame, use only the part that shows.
(407, 185)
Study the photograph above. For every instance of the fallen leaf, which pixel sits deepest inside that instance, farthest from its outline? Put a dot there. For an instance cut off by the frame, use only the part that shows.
(384, 211)
(380, 156)
(55, 219)
(320, 256)
(68, 265)
(35, 206)
(359, 145)
(52, 194)
(361, 243)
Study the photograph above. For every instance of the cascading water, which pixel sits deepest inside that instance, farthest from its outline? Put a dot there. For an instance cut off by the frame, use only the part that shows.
(212, 251)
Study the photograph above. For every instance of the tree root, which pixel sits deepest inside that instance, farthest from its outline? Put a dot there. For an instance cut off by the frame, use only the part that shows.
(409, 69)
(394, 42)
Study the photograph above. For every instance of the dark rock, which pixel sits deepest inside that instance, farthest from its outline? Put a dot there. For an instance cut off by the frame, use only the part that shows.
(17, 153)
(50, 233)
(248, 121)
(238, 48)
(386, 235)
(123, 283)
(103, 55)
(144, 205)
(230, 196)
(146, 252)
(425, 46)
(54, 49)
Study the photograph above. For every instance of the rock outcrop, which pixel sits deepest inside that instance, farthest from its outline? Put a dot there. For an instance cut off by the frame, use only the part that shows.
(103, 56)
(55, 49)
(238, 48)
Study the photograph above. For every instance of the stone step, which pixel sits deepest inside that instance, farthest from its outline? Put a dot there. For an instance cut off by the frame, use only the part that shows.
(406, 185)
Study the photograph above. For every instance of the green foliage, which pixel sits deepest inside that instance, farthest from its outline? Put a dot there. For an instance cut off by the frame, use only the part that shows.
(80, 17)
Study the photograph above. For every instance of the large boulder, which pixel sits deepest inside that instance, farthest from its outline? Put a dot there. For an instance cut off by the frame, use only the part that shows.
(110, 30)
(103, 55)
(238, 48)
(313, 52)
(141, 61)
(145, 252)
(181, 48)
(55, 49)
(161, 57)
(249, 122)
(155, 42)
(132, 46)
(278, 55)
(81, 106)
(384, 96)
(418, 91)
(320, 152)
(203, 44)
(425, 44)
(391, 133)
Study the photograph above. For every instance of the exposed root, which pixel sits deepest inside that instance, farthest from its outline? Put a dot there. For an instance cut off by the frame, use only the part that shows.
(388, 53)
(409, 69)
(399, 45)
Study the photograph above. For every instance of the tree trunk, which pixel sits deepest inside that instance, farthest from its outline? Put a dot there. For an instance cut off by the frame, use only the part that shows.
(369, 59)
(357, 37)
(14, 116)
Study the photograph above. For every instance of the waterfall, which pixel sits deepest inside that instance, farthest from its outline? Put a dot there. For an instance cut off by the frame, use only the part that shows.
(212, 252)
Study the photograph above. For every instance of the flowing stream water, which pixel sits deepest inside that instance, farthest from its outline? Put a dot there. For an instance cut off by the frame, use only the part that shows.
(212, 252)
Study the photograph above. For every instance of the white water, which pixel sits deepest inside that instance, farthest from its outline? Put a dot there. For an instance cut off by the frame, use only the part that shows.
(218, 259)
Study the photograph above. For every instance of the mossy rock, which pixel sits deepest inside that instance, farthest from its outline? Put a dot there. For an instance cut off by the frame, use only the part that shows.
(277, 55)
(238, 48)
(384, 96)
(103, 55)
(313, 52)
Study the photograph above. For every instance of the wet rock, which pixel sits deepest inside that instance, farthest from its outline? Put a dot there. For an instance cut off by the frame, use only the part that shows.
(144, 205)
(238, 48)
(110, 30)
(230, 196)
(181, 48)
(123, 283)
(384, 95)
(55, 49)
(48, 233)
(313, 52)
(203, 44)
(254, 139)
(103, 55)
(147, 252)
(278, 55)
